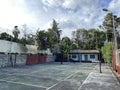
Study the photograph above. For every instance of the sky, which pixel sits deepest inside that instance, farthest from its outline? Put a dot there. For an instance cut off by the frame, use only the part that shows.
(70, 14)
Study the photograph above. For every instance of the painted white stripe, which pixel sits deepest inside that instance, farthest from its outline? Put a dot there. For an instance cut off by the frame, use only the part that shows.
(24, 84)
(86, 79)
(62, 80)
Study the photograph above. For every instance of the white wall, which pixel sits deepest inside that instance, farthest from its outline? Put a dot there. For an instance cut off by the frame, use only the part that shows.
(5, 60)
(83, 57)
(13, 47)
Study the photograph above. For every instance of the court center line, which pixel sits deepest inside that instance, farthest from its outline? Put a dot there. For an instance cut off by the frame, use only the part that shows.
(23, 84)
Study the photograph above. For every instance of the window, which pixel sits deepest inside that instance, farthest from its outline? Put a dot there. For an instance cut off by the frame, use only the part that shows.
(92, 56)
(74, 56)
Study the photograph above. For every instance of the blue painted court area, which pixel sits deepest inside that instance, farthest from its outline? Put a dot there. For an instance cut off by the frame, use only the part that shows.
(49, 76)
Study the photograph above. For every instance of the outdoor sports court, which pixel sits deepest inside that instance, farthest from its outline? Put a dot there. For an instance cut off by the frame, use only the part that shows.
(49, 76)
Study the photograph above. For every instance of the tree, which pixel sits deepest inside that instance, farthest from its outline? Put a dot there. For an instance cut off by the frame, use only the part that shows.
(41, 38)
(88, 39)
(65, 46)
(5, 36)
(79, 36)
(96, 38)
(108, 24)
(29, 39)
(54, 37)
(56, 31)
(51, 38)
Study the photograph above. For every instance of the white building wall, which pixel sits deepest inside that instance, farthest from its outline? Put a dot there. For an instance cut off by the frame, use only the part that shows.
(83, 57)
(95, 59)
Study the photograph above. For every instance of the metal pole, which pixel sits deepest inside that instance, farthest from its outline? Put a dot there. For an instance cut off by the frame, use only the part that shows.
(99, 63)
(114, 32)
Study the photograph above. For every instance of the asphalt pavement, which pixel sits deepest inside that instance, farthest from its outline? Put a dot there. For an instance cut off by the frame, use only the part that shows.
(100, 81)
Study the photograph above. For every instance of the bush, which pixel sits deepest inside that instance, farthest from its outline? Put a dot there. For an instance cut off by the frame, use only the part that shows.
(107, 52)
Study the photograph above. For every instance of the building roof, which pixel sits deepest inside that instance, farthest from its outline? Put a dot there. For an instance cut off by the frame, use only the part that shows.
(84, 51)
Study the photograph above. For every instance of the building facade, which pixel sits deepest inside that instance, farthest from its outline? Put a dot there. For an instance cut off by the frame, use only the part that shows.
(84, 55)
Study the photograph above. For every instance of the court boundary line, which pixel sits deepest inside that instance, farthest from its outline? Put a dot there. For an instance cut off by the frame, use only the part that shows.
(26, 84)
(86, 78)
(62, 80)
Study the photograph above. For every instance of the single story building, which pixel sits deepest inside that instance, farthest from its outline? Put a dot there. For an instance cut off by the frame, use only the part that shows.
(84, 55)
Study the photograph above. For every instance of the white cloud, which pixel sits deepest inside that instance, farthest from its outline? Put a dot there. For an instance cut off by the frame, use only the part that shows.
(70, 14)
(14, 13)
(69, 4)
(46, 26)
(52, 3)
(114, 6)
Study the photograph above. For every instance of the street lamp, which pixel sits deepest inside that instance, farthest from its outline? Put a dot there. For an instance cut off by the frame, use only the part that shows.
(115, 46)
(114, 29)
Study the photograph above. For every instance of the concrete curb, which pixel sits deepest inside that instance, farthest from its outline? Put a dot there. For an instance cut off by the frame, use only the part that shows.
(116, 75)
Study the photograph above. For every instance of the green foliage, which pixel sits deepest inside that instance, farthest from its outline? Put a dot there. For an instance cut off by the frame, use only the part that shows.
(41, 38)
(65, 46)
(88, 39)
(107, 52)
(51, 40)
(108, 25)
(56, 31)
(6, 36)
(23, 41)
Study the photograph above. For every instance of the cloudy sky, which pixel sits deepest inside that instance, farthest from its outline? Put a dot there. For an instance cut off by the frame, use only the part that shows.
(70, 14)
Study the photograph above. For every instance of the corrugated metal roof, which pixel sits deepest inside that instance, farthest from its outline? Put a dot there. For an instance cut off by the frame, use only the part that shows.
(84, 51)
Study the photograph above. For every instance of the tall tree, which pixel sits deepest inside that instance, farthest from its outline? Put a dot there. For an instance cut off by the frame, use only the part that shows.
(108, 24)
(56, 30)
(88, 39)
(65, 46)
(41, 38)
(16, 32)
(51, 38)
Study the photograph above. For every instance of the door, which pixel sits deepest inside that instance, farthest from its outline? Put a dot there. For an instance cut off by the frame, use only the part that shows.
(86, 57)
(80, 57)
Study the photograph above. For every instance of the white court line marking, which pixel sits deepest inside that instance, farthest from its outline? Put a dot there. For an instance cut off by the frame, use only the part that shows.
(62, 80)
(86, 78)
(84, 81)
(24, 84)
